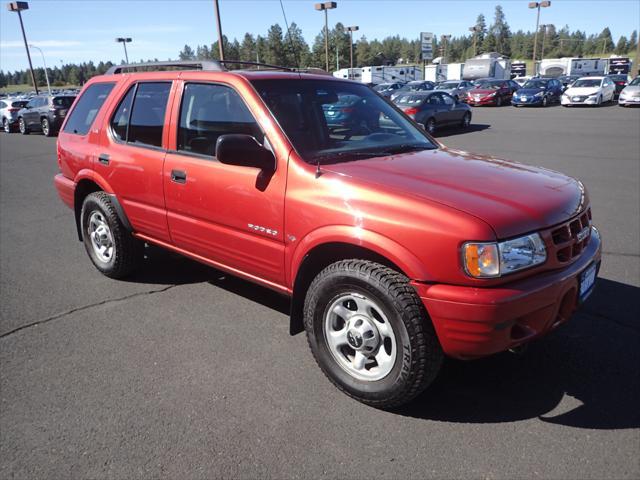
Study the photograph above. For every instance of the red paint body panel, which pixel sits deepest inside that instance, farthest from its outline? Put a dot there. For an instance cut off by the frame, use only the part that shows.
(415, 209)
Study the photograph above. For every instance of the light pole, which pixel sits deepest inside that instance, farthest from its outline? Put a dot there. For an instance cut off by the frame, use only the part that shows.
(46, 74)
(544, 38)
(124, 41)
(475, 29)
(326, 6)
(537, 5)
(444, 39)
(18, 7)
(220, 45)
(352, 29)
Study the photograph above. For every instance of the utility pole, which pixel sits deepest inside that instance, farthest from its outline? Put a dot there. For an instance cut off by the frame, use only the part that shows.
(444, 39)
(46, 74)
(219, 23)
(326, 6)
(18, 7)
(124, 41)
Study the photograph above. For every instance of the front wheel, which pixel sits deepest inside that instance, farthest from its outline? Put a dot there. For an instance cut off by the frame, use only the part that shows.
(499, 102)
(112, 249)
(6, 126)
(370, 334)
(430, 126)
(22, 126)
(46, 127)
(545, 101)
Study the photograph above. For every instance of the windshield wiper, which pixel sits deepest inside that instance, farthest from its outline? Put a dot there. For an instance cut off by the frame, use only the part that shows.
(392, 150)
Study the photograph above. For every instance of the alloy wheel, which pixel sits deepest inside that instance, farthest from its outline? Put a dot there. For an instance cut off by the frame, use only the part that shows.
(101, 237)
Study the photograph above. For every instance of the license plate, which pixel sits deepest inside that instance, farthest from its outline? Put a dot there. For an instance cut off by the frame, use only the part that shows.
(477, 98)
(587, 280)
(524, 99)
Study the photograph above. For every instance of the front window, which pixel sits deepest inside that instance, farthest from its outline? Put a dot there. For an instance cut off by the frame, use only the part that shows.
(331, 121)
(635, 81)
(587, 83)
(383, 87)
(536, 84)
(488, 85)
(447, 86)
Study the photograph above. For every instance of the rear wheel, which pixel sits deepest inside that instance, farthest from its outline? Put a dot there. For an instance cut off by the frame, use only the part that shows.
(22, 126)
(466, 120)
(6, 126)
(545, 101)
(430, 126)
(46, 127)
(112, 249)
(370, 334)
(499, 102)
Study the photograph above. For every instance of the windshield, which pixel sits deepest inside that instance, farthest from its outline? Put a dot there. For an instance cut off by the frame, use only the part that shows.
(322, 130)
(382, 87)
(447, 86)
(409, 99)
(587, 82)
(635, 81)
(536, 84)
(63, 101)
(618, 78)
(489, 85)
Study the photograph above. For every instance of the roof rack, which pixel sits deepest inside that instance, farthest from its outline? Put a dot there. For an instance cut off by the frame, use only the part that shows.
(208, 65)
(256, 64)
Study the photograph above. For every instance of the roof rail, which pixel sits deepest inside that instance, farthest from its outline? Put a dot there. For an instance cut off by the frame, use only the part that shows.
(208, 65)
(255, 64)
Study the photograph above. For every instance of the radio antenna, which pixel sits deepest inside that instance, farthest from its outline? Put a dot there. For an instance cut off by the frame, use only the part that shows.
(296, 58)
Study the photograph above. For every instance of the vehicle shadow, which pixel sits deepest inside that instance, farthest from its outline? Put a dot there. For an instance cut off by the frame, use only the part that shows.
(162, 267)
(584, 375)
(449, 131)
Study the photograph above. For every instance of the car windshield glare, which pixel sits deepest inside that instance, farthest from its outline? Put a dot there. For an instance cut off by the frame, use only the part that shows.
(323, 130)
(410, 99)
(635, 82)
(488, 85)
(587, 82)
(447, 86)
(382, 87)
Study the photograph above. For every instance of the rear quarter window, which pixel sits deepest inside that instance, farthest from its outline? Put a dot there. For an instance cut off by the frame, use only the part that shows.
(87, 108)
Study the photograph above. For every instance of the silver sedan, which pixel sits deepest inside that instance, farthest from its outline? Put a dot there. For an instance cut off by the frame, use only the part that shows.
(456, 88)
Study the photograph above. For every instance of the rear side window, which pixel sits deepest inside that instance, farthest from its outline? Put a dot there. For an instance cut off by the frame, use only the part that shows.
(65, 102)
(147, 115)
(120, 120)
(88, 106)
(208, 111)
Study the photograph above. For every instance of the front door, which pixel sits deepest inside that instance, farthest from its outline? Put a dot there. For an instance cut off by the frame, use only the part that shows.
(230, 215)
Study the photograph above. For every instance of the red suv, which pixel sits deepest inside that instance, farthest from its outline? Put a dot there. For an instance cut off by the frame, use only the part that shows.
(394, 249)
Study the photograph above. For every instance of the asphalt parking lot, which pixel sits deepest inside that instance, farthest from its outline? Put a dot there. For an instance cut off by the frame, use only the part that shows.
(184, 372)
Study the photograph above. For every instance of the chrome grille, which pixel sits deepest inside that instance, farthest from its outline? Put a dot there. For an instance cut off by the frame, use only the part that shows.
(572, 238)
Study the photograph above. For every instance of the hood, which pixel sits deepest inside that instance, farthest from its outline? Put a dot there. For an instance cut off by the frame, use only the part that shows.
(631, 89)
(482, 91)
(582, 90)
(530, 91)
(512, 198)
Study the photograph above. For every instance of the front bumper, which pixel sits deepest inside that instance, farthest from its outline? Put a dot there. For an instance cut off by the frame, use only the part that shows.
(474, 322)
(629, 101)
(587, 101)
(481, 101)
(529, 101)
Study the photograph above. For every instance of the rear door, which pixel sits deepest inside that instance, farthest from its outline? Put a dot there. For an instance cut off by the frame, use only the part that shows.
(230, 215)
(449, 112)
(132, 153)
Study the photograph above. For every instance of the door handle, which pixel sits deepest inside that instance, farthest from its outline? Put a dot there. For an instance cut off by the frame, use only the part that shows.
(103, 158)
(178, 176)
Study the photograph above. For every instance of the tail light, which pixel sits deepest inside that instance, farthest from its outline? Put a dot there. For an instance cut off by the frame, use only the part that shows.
(410, 111)
(347, 110)
(13, 110)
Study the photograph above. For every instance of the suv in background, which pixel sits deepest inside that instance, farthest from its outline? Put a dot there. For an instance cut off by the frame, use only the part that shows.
(44, 113)
(9, 113)
(394, 250)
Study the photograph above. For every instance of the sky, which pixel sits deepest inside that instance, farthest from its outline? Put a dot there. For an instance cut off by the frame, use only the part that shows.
(83, 30)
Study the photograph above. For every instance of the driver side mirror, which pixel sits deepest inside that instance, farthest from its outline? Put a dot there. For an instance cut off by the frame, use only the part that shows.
(244, 151)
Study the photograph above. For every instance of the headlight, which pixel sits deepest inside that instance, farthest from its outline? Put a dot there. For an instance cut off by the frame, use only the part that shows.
(539, 94)
(491, 94)
(482, 260)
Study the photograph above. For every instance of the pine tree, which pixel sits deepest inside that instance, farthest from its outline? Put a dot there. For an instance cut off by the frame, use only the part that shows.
(622, 46)
(187, 53)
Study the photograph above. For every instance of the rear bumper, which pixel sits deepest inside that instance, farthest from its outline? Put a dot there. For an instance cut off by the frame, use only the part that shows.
(474, 322)
(66, 189)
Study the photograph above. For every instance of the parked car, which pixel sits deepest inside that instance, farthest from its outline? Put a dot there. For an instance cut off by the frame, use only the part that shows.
(538, 91)
(620, 81)
(394, 250)
(44, 113)
(434, 109)
(492, 92)
(568, 80)
(9, 109)
(350, 112)
(387, 89)
(456, 88)
(630, 95)
(589, 91)
(414, 86)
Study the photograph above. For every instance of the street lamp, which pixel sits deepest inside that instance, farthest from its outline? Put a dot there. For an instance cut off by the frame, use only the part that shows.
(475, 29)
(351, 30)
(124, 41)
(326, 6)
(537, 5)
(46, 74)
(18, 7)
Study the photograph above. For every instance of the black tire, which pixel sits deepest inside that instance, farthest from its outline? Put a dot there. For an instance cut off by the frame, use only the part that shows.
(499, 102)
(430, 126)
(545, 101)
(46, 127)
(466, 120)
(22, 126)
(127, 252)
(6, 126)
(418, 356)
